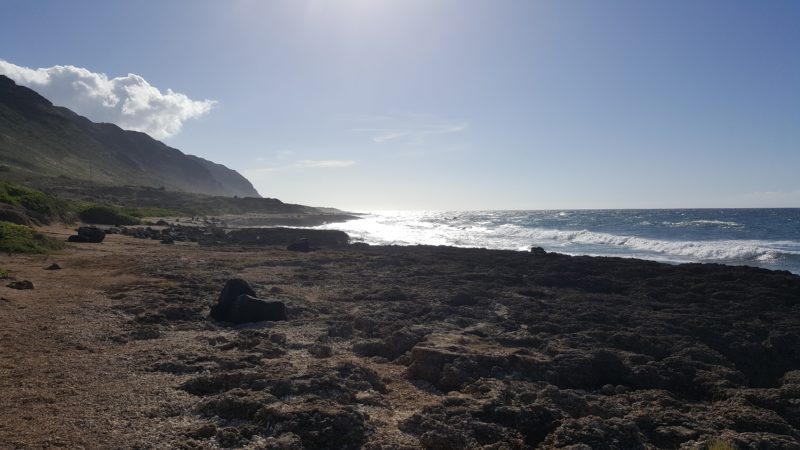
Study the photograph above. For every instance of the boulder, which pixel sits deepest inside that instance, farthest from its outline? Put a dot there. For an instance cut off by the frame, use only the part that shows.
(247, 308)
(53, 266)
(538, 251)
(22, 284)
(238, 303)
(88, 234)
(232, 289)
(300, 245)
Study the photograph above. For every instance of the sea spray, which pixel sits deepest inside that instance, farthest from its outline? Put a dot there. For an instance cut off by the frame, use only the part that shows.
(761, 237)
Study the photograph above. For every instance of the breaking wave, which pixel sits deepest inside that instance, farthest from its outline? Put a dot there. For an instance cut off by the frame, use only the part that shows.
(698, 240)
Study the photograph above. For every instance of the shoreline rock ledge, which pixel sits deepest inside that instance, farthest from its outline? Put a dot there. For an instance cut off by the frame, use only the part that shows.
(238, 303)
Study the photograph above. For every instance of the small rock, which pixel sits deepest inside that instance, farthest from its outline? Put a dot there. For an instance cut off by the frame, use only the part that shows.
(22, 284)
(53, 266)
(538, 251)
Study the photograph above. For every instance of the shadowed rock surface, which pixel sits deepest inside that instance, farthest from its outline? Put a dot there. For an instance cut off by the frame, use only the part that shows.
(93, 235)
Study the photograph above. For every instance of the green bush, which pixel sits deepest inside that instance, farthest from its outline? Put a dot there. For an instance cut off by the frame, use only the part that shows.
(43, 205)
(21, 239)
(107, 215)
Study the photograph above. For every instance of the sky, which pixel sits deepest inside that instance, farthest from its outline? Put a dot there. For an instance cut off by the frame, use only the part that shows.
(442, 104)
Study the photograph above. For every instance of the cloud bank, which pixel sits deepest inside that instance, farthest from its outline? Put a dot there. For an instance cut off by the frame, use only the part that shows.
(129, 102)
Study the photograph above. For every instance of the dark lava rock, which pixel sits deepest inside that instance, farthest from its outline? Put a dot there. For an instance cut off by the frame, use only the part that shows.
(246, 308)
(462, 299)
(237, 303)
(301, 245)
(168, 240)
(88, 234)
(538, 251)
(321, 426)
(597, 434)
(22, 284)
(284, 236)
(53, 266)
(232, 289)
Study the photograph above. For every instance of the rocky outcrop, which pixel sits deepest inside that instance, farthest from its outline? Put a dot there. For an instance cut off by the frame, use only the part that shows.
(88, 234)
(237, 303)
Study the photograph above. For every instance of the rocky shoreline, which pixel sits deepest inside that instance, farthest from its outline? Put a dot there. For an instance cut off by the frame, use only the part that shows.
(398, 347)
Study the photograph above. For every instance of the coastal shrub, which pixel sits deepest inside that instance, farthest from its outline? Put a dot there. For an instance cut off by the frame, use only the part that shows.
(107, 215)
(44, 207)
(21, 239)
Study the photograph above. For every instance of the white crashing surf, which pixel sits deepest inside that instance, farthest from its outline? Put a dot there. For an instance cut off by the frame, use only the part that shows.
(700, 250)
(507, 233)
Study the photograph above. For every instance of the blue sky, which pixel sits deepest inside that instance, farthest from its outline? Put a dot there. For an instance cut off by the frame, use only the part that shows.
(413, 104)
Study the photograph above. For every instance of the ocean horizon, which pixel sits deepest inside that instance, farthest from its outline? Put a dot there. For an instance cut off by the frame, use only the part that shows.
(761, 237)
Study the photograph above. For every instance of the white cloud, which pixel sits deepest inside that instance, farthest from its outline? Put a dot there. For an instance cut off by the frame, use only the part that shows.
(130, 101)
(405, 128)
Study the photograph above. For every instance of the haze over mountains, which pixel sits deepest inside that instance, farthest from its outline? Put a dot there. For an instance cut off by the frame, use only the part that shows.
(49, 140)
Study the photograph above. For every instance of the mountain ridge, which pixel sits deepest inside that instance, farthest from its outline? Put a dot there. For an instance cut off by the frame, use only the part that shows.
(51, 140)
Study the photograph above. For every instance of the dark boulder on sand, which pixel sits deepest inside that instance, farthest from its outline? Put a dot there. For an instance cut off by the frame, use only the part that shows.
(233, 288)
(21, 285)
(246, 308)
(88, 234)
(237, 303)
(538, 251)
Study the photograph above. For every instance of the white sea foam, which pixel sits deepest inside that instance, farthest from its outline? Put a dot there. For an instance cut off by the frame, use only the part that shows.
(702, 222)
(465, 231)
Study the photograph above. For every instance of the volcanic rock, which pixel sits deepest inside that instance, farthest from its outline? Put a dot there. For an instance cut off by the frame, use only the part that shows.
(237, 303)
(246, 308)
(88, 234)
(21, 285)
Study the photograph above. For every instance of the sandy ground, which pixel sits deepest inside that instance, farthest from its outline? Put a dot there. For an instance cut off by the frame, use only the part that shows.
(72, 377)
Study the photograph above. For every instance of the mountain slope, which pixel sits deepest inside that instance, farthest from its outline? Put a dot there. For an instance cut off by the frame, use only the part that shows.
(49, 140)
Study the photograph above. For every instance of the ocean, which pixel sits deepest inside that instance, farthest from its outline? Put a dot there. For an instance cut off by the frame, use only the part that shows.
(768, 238)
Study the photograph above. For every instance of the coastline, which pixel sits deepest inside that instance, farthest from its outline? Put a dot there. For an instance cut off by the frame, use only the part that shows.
(395, 347)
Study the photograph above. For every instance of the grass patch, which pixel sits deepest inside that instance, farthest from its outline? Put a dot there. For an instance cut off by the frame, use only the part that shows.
(721, 445)
(21, 239)
(36, 203)
(107, 215)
